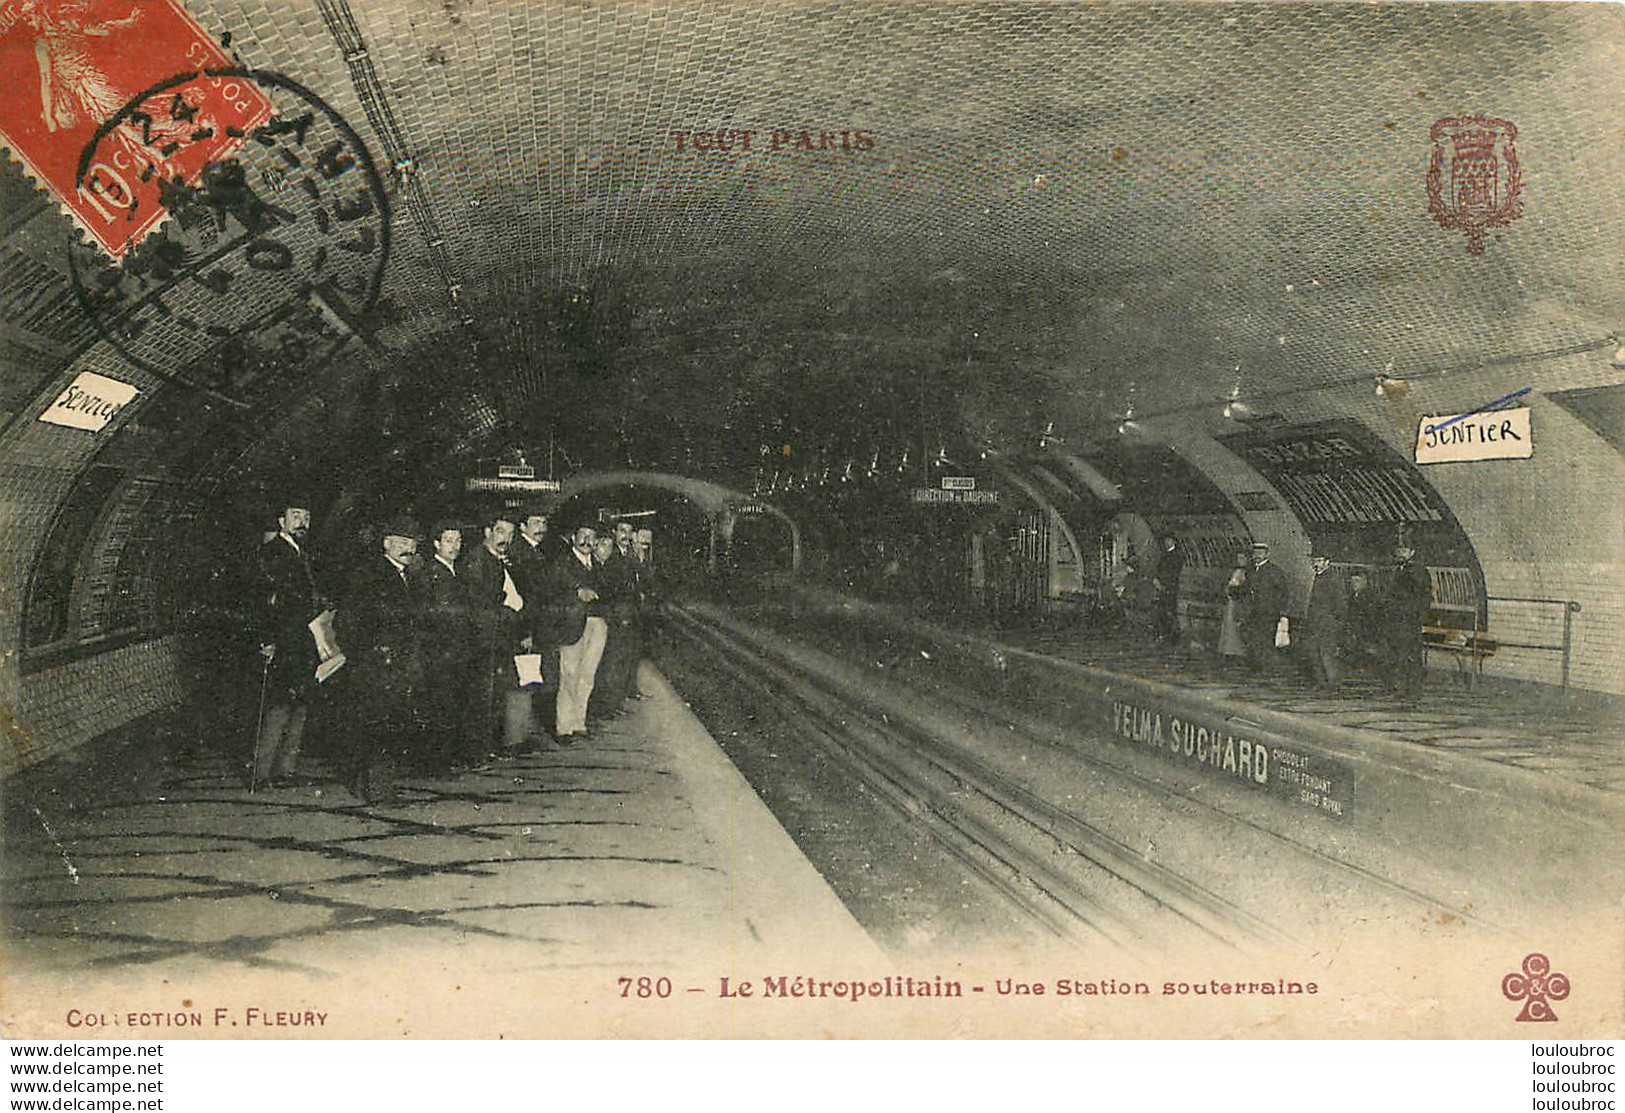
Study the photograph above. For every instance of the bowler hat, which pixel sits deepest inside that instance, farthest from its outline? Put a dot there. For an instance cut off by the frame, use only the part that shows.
(401, 525)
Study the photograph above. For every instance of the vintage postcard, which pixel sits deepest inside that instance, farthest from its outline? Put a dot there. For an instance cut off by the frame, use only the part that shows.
(811, 519)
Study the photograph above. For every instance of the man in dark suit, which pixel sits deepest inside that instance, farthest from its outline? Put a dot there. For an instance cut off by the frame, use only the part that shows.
(617, 672)
(530, 560)
(1323, 624)
(1169, 567)
(285, 601)
(379, 628)
(1365, 629)
(1266, 602)
(448, 652)
(1410, 594)
(501, 630)
(646, 584)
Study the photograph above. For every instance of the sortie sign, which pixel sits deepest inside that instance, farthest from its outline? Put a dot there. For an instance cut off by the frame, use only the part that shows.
(90, 402)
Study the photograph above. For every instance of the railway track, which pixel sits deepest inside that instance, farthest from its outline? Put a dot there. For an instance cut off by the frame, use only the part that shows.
(1050, 860)
(1053, 868)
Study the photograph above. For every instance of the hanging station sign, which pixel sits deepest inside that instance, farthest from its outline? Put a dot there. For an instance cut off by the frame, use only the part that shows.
(1485, 435)
(956, 490)
(932, 495)
(90, 402)
(477, 484)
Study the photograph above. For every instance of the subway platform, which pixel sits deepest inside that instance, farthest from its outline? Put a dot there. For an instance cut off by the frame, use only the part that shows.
(640, 850)
(1577, 737)
(1502, 804)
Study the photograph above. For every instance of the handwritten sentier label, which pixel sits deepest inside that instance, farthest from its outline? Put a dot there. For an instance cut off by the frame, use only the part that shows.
(1489, 435)
(90, 402)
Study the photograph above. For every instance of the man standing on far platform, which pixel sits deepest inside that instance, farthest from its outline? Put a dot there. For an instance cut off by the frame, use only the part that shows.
(1410, 594)
(1364, 629)
(1170, 565)
(1266, 603)
(1323, 624)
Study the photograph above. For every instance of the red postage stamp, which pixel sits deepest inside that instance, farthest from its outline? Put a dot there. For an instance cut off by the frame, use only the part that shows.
(81, 107)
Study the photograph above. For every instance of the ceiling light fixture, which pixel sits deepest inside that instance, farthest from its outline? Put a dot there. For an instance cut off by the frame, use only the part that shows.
(1234, 407)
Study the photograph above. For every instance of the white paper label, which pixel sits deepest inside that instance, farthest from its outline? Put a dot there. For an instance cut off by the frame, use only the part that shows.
(1491, 435)
(90, 402)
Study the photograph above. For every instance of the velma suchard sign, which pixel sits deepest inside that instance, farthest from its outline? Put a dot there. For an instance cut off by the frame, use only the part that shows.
(1307, 779)
(90, 402)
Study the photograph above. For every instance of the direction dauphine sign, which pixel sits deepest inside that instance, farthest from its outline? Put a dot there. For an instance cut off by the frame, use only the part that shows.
(955, 498)
(90, 402)
(476, 483)
(1490, 435)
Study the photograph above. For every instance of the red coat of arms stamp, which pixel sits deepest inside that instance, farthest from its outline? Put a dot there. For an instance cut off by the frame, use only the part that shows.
(1473, 178)
(72, 78)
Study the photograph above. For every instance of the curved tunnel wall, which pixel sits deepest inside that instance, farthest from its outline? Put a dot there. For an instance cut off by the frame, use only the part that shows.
(51, 708)
(1547, 527)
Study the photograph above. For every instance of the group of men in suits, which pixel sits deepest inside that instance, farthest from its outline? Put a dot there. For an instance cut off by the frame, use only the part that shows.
(1343, 622)
(435, 646)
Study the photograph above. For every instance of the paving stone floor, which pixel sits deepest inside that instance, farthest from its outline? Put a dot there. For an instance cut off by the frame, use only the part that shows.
(634, 844)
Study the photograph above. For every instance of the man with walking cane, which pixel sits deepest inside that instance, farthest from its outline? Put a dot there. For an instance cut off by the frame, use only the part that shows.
(285, 601)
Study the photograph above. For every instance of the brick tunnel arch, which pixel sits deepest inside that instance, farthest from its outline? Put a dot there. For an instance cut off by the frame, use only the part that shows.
(725, 506)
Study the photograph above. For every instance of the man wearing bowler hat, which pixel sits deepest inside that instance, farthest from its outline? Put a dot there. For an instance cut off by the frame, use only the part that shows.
(1410, 595)
(1266, 603)
(379, 625)
(1324, 618)
(285, 601)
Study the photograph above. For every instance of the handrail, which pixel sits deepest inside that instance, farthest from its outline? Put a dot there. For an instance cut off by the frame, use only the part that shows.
(1570, 609)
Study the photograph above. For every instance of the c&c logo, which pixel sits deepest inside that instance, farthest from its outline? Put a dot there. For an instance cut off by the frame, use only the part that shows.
(1535, 986)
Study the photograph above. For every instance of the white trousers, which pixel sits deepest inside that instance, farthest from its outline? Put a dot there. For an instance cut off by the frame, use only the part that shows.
(578, 669)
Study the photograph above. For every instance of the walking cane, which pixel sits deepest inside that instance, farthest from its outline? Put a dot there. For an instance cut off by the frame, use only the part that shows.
(259, 725)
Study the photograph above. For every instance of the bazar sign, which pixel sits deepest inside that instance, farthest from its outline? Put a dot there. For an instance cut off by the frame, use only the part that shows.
(90, 402)
(1488, 435)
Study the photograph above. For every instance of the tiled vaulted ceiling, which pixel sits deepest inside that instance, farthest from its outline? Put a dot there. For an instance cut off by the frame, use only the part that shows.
(1064, 209)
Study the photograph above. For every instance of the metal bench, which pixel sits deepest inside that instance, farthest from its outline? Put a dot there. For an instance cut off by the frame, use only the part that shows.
(1455, 591)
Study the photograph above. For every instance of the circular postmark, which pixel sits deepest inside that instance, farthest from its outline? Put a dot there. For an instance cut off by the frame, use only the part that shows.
(267, 257)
